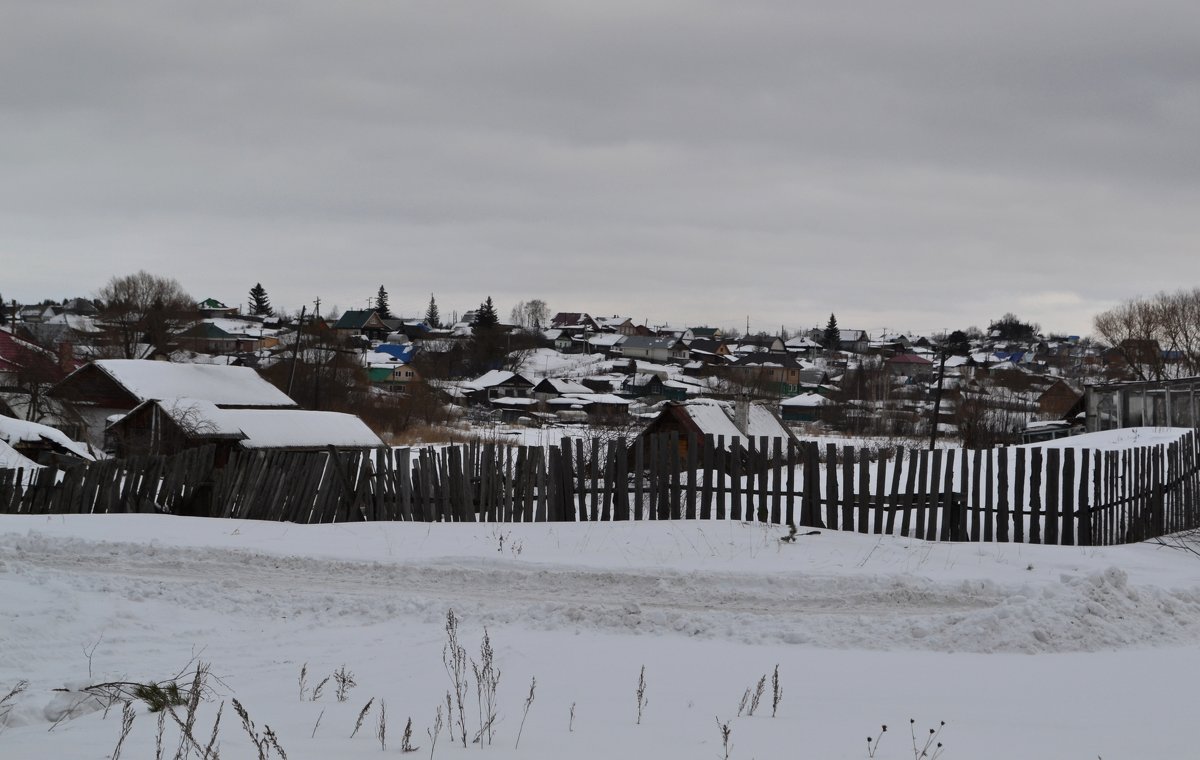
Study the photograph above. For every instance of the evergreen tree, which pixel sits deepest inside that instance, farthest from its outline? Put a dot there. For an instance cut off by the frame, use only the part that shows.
(487, 348)
(381, 304)
(486, 318)
(260, 304)
(432, 318)
(832, 335)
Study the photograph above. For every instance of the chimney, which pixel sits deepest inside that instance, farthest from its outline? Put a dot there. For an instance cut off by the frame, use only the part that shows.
(741, 414)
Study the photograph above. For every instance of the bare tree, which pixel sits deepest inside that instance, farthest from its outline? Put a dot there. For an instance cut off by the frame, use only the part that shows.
(531, 315)
(1157, 337)
(143, 308)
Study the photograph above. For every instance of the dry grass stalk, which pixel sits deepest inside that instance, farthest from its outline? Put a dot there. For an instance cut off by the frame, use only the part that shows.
(127, 715)
(641, 694)
(759, 689)
(528, 703)
(487, 679)
(362, 715)
(316, 692)
(345, 682)
(776, 692)
(381, 727)
(406, 739)
(435, 731)
(726, 731)
(454, 657)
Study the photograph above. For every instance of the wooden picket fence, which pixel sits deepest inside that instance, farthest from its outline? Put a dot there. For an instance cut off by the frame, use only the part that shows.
(1027, 495)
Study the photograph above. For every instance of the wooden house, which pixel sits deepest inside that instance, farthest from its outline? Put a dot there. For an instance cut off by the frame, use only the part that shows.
(107, 388)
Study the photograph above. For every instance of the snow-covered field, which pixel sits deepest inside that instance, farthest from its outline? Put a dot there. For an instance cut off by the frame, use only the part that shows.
(1023, 651)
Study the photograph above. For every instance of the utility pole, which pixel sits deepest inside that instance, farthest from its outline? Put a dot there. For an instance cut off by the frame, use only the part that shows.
(937, 398)
(296, 350)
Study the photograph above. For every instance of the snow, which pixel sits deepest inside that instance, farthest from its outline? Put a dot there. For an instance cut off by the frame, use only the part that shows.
(11, 459)
(1114, 440)
(226, 386)
(806, 400)
(1024, 651)
(274, 428)
(17, 431)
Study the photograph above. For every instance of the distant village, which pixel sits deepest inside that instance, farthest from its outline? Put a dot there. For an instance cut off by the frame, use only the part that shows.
(148, 370)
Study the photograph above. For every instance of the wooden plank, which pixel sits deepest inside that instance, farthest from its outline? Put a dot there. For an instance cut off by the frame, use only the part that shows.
(880, 495)
(569, 508)
(976, 499)
(621, 507)
(707, 465)
(998, 461)
(1019, 504)
(831, 488)
(735, 479)
(916, 472)
(639, 468)
(552, 483)
(789, 515)
(610, 458)
(1035, 496)
(778, 473)
(762, 466)
(673, 464)
(810, 510)
(594, 469)
(1088, 484)
(935, 501)
(945, 519)
(848, 500)
(720, 472)
(693, 484)
(864, 491)
(539, 461)
(1055, 484)
(1070, 489)
(894, 501)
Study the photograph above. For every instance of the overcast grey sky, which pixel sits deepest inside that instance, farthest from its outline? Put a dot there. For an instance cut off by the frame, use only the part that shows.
(911, 166)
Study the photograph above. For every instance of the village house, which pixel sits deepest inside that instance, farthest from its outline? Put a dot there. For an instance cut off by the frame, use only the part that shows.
(659, 349)
(742, 421)
(496, 384)
(109, 388)
(365, 323)
(168, 426)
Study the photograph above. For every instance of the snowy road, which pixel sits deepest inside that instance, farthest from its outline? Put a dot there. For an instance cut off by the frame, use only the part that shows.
(863, 630)
(862, 610)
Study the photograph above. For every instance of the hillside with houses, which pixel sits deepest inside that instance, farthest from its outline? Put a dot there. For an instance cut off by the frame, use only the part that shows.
(121, 382)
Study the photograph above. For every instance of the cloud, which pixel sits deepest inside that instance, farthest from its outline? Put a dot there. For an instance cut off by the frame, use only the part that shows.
(904, 165)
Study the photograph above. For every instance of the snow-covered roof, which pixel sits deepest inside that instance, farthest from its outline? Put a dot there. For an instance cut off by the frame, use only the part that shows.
(806, 400)
(493, 378)
(248, 327)
(716, 418)
(560, 386)
(274, 428)
(14, 431)
(11, 459)
(601, 340)
(598, 398)
(514, 401)
(222, 385)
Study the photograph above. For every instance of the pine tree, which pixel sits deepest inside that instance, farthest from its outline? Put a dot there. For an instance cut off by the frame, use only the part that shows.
(486, 318)
(260, 305)
(432, 318)
(833, 335)
(381, 304)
